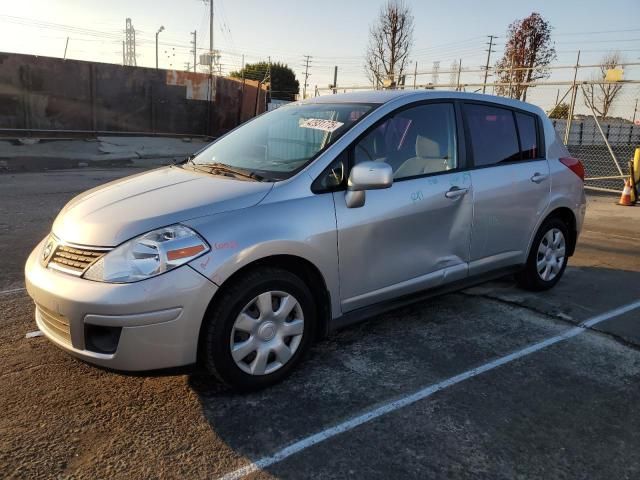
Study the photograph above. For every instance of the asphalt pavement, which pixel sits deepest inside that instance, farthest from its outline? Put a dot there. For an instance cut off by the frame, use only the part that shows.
(492, 382)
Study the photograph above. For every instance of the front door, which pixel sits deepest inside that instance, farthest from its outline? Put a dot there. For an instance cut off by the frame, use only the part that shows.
(416, 234)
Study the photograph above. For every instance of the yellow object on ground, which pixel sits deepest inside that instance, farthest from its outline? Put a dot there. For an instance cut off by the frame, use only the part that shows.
(635, 175)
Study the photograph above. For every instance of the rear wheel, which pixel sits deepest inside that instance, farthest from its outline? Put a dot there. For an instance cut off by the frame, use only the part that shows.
(258, 329)
(548, 257)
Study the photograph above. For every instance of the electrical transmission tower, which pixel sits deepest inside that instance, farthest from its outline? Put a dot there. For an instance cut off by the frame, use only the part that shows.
(435, 76)
(453, 73)
(130, 44)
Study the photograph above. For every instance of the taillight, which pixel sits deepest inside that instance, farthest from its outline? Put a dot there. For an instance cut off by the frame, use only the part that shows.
(574, 165)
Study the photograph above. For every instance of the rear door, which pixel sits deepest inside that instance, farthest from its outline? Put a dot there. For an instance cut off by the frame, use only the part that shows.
(511, 183)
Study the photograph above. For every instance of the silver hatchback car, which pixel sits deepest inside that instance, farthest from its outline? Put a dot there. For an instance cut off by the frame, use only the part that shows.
(305, 219)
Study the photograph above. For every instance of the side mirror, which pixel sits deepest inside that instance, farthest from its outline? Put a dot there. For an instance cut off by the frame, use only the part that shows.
(367, 176)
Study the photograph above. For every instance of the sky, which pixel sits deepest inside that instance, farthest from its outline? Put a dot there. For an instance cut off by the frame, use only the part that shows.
(332, 32)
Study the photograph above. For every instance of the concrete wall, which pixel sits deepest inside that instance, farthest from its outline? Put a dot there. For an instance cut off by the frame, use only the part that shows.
(51, 93)
(585, 132)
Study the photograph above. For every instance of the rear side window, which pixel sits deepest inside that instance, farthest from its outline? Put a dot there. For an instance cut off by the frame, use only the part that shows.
(528, 136)
(494, 137)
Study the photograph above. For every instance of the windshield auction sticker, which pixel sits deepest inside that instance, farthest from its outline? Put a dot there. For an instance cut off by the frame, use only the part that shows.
(321, 124)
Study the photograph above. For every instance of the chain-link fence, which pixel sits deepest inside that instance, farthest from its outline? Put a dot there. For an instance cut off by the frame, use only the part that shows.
(594, 109)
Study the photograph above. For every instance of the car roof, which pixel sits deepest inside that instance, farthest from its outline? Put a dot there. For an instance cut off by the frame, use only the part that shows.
(384, 96)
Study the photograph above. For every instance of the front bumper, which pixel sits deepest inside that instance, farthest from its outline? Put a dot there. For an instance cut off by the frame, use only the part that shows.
(158, 319)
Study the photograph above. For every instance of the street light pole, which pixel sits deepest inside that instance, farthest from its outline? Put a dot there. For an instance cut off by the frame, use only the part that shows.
(210, 38)
(158, 33)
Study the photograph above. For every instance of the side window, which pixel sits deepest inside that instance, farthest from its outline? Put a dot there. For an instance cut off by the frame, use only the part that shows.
(416, 141)
(528, 137)
(332, 178)
(493, 134)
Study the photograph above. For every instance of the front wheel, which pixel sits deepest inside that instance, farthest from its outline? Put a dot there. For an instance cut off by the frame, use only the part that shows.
(547, 258)
(259, 328)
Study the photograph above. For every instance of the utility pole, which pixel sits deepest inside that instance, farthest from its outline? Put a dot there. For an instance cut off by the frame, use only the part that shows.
(511, 75)
(65, 49)
(242, 73)
(335, 79)
(195, 37)
(573, 101)
(486, 68)
(635, 109)
(158, 33)
(306, 76)
(459, 73)
(269, 90)
(130, 43)
(124, 62)
(415, 75)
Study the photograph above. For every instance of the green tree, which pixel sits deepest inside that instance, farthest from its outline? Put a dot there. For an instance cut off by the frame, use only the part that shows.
(560, 111)
(284, 85)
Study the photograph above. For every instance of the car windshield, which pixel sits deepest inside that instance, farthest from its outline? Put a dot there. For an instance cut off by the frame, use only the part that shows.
(277, 144)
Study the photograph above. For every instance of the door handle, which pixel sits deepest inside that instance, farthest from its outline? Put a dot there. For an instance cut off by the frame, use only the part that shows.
(456, 192)
(539, 177)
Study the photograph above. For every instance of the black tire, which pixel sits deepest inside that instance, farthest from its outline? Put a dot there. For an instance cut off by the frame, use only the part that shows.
(215, 348)
(529, 278)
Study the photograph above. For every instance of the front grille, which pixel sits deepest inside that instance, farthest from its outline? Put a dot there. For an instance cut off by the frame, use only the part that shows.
(55, 324)
(74, 260)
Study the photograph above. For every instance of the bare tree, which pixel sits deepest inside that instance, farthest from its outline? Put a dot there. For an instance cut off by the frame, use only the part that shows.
(390, 41)
(527, 55)
(600, 96)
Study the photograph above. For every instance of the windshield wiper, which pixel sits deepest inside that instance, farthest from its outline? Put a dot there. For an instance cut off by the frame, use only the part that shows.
(221, 167)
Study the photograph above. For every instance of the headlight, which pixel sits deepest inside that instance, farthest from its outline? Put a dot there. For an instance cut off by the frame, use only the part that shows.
(148, 255)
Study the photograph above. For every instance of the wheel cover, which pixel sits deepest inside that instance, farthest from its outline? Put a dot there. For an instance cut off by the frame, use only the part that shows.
(267, 333)
(551, 254)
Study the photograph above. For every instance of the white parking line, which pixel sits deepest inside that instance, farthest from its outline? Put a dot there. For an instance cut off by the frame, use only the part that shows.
(367, 416)
(13, 290)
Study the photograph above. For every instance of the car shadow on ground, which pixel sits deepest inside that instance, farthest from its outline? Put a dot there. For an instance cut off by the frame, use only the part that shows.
(401, 352)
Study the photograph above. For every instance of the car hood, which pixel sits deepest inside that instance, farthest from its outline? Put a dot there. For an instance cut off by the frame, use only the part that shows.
(117, 211)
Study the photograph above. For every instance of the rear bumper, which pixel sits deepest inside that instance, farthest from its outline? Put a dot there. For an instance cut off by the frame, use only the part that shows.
(158, 320)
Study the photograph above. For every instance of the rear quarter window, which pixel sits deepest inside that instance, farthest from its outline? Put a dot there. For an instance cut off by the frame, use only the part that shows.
(528, 135)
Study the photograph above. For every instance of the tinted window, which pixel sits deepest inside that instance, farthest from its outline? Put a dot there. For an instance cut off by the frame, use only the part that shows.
(493, 134)
(528, 137)
(415, 141)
